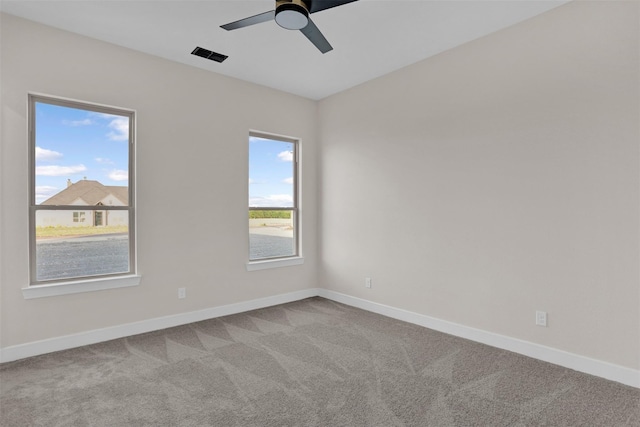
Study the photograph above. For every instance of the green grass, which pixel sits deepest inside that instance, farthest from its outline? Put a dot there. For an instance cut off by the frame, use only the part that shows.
(269, 214)
(61, 231)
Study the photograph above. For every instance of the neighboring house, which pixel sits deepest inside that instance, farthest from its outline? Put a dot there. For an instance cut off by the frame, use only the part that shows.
(85, 193)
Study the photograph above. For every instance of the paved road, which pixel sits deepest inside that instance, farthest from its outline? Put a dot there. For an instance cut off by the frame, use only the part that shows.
(82, 256)
(94, 255)
(262, 246)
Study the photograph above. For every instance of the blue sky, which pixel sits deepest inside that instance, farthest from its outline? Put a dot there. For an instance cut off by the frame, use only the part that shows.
(270, 173)
(73, 143)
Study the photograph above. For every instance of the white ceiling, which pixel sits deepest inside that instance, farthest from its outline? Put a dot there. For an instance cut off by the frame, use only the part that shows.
(370, 37)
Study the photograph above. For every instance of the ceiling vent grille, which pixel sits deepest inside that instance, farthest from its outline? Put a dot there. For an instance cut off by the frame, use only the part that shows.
(208, 54)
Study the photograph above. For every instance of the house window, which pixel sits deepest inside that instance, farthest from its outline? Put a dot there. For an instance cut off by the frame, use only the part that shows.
(78, 217)
(80, 155)
(97, 218)
(273, 198)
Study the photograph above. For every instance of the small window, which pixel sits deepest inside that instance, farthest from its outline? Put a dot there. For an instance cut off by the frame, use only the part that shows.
(273, 200)
(78, 216)
(81, 157)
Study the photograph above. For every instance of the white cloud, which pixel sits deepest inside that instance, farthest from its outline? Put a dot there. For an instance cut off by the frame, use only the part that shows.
(59, 170)
(286, 156)
(257, 139)
(272, 201)
(104, 161)
(119, 175)
(44, 192)
(85, 122)
(288, 180)
(44, 155)
(120, 126)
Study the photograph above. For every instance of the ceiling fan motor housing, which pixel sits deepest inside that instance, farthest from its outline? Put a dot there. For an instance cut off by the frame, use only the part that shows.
(292, 14)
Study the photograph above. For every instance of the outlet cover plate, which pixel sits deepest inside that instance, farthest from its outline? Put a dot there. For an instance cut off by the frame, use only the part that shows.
(541, 318)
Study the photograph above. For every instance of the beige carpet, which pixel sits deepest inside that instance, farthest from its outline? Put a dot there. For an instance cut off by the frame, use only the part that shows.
(307, 363)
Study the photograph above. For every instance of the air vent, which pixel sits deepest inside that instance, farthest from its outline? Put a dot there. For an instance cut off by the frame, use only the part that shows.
(208, 54)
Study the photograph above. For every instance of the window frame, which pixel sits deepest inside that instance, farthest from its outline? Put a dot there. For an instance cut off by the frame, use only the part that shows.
(287, 260)
(38, 288)
(79, 216)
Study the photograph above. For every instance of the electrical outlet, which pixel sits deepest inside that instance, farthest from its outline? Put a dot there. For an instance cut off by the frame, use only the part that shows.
(182, 293)
(541, 318)
(367, 282)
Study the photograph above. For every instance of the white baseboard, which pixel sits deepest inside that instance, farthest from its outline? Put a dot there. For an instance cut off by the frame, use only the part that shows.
(576, 362)
(36, 348)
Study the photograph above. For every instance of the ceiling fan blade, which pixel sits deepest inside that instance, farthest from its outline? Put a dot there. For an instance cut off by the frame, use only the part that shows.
(252, 20)
(318, 5)
(315, 36)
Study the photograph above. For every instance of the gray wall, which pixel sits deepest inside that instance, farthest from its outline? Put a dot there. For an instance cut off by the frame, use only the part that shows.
(192, 148)
(497, 179)
(477, 186)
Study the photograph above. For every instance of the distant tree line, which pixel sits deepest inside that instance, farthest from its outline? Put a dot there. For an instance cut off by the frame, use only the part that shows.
(269, 214)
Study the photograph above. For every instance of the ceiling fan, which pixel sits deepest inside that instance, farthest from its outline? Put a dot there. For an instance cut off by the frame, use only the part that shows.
(294, 15)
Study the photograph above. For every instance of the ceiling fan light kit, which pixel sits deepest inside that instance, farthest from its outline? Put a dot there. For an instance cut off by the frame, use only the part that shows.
(294, 15)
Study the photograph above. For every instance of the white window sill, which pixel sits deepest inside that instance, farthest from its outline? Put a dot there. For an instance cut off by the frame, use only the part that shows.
(274, 263)
(89, 285)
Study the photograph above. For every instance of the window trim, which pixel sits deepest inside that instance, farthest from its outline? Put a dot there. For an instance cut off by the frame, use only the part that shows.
(267, 263)
(94, 282)
(99, 283)
(296, 258)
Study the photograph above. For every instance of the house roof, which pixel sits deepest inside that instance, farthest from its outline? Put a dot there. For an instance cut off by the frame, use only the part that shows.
(122, 193)
(87, 192)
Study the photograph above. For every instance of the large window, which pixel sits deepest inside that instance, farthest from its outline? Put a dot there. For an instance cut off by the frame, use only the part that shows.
(273, 201)
(81, 214)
